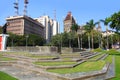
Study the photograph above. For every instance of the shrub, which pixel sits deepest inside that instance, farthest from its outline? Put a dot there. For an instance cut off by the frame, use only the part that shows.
(97, 50)
(113, 52)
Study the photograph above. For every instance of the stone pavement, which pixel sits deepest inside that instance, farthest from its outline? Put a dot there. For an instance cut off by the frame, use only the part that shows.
(23, 74)
(111, 70)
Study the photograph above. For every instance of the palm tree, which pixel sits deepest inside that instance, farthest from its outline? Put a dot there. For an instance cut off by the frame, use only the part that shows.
(115, 23)
(86, 27)
(89, 28)
(75, 28)
(106, 22)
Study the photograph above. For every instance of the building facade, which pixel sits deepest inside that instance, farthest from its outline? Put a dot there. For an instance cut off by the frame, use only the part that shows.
(21, 25)
(56, 28)
(68, 22)
(51, 26)
(107, 33)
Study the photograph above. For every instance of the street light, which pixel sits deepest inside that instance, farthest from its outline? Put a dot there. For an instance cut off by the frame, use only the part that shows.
(26, 41)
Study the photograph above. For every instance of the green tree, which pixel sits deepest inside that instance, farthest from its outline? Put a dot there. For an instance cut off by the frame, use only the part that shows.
(97, 39)
(64, 39)
(89, 27)
(115, 37)
(34, 40)
(18, 40)
(71, 38)
(75, 28)
(115, 21)
(0, 29)
(106, 22)
(56, 40)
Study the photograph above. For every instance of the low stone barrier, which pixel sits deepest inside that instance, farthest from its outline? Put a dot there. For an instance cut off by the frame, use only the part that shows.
(102, 57)
(35, 49)
(59, 67)
(7, 63)
(93, 75)
(66, 50)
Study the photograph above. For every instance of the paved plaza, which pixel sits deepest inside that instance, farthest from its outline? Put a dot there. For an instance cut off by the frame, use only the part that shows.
(23, 74)
(23, 68)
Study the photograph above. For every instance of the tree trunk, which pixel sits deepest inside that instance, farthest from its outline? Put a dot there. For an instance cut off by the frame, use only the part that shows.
(78, 42)
(89, 41)
(99, 39)
(70, 43)
(107, 37)
(81, 41)
(92, 41)
(119, 42)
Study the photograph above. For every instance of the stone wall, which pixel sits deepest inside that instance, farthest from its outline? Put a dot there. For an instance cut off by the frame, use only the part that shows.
(70, 50)
(44, 49)
(66, 50)
(38, 49)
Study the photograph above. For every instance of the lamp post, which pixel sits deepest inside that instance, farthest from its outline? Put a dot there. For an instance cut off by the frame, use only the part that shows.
(26, 41)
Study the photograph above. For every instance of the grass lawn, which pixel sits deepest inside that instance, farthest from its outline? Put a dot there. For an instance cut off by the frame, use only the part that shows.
(117, 67)
(94, 58)
(54, 63)
(4, 76)
(5, 58)
(84, 67)
(109, 58)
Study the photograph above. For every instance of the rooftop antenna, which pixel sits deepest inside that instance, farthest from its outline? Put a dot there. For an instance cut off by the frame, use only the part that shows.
(16, 7)
(25, 6)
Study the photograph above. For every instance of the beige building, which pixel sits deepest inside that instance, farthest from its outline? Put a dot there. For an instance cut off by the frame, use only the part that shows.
(107, 33)
(68, 22)
(51, 26)
(21, 25)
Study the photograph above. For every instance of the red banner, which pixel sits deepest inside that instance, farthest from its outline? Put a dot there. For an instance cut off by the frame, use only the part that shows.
(0, 42)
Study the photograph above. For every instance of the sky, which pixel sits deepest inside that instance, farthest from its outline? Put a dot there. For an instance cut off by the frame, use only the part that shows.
(82, 10)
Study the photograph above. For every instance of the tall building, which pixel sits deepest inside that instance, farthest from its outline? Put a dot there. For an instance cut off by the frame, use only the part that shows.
(68, 22)
(56, 28)
(51, 27)
(21, 25)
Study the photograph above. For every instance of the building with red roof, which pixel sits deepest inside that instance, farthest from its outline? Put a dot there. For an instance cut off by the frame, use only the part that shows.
(68, 22)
